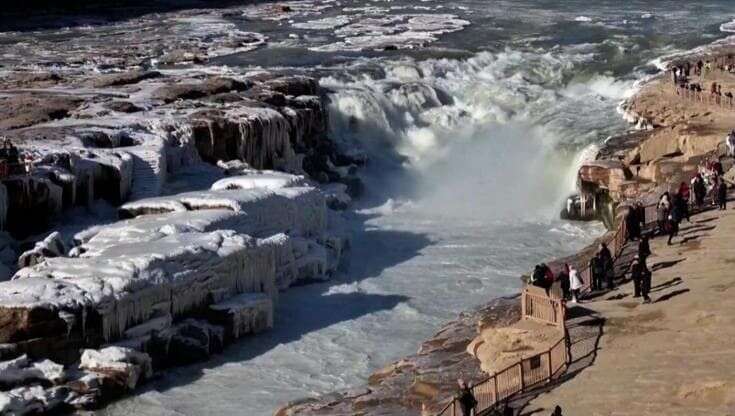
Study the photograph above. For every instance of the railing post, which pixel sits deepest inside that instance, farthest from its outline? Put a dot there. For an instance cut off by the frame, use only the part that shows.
(495, 381)
(454, 404)
(524, 312)
(550, 367)
(520, 371)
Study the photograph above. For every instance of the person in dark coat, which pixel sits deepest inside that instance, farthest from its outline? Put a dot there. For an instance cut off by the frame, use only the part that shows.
(465, 398)
(633, 224)
(563, 278)
(557, 411)
(722, 195)
(597, 269)
(674, 219)
(610, 272)
(644, 248)
(700, 190)
(641, 278)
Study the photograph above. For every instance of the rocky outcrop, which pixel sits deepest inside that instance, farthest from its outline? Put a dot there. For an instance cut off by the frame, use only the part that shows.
(25, 110)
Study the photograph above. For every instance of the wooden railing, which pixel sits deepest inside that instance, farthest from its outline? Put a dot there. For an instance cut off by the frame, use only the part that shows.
(527, 373)
(543, 306)
(707, 98)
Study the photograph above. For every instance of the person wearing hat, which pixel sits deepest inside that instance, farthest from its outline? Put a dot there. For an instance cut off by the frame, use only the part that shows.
(465, 398)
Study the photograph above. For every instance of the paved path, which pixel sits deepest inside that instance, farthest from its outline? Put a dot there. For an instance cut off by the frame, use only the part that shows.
(675, 356)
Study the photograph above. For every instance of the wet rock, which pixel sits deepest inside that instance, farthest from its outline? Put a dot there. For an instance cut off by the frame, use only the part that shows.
(190, 91)
(123, 78)
(18, 111)
(123, 107)
(194, 340)
(293, 85)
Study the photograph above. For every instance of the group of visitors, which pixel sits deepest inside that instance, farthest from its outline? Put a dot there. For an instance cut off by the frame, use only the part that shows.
(681, 75)
(602, 268)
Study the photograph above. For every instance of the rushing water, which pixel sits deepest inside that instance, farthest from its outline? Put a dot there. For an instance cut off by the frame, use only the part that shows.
(474, 134)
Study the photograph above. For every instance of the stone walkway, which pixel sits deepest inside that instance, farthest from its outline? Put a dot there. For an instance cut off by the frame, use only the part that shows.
(675, 356)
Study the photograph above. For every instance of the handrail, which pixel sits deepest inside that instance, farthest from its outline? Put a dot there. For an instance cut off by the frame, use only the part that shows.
(515, 378)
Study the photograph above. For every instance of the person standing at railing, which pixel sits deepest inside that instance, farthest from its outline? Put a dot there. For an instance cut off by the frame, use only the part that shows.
(466, 399)
(633, 223)
(597, 269)
(575, 283)
(563, 277)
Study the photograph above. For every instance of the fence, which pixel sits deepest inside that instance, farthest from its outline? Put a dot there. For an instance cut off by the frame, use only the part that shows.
(539, 305)
(514, 379)
(707, 98)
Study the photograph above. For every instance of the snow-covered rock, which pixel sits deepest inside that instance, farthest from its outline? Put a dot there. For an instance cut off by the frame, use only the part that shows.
(123, 366)
(128, 284)
(21, 369)
(260, 179)
(298, 210)
(51, 246)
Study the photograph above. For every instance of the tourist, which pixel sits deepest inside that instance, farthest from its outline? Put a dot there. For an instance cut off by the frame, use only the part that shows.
(466, 399)
(645, 280)
(700, 190)
(575, 283)
(722, 195)
(610, 272)
(713, 89)
(633, 223)
(644, 248)
(662, 212)
(563, 278)
(700, 64)
(641, 279)
(673, 224)
(730, 142)
(538, 278)
(557, 411)
(597, 269)
(680, 202)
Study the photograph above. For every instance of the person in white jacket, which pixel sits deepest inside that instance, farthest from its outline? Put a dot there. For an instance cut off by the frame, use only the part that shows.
(575, 283)
(730, 142)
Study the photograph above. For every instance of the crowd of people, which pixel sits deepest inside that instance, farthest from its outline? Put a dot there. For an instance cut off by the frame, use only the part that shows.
(682, 73)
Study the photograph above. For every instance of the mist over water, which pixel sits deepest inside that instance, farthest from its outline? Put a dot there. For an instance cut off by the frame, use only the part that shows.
(474, 141)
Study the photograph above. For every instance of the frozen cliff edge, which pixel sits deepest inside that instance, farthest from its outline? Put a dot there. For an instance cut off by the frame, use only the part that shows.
(224, 188)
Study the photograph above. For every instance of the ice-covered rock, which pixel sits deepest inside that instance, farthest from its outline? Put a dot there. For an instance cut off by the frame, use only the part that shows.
(260, 179)
(22, 370)
(101, 297)
(51, 246)
(244, 314)
(298, 210)
(123, 366)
